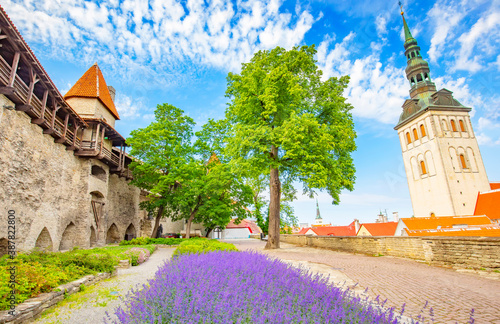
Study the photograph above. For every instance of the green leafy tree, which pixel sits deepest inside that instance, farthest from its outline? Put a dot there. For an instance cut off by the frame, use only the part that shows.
(289, 124)
(186, 181)
(162, 150)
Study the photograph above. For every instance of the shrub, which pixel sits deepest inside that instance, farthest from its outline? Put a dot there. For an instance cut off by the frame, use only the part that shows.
(202, 245)
(138, 255)
(243, 287)
(149, 240)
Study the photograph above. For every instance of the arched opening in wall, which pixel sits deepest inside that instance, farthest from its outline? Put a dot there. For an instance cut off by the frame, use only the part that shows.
(415, 134)
(453, 126)
(93, 237)
(4, 246)
(422, 168)
(112, 236)
(444, 124)
(130, 233)
(408, 138)
(412, 54)
(422, 130)
(426, 77)
(462, 161)
(433, 215)
(462, 126)
(68, 238)
(44, 241)
(419, 77)
(98, 172)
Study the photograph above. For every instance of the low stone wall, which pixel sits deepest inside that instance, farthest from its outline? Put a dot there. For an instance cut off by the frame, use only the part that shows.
(458, 252)
(33, 307)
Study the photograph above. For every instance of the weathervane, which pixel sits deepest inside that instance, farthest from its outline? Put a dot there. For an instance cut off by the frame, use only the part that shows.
(401, 6)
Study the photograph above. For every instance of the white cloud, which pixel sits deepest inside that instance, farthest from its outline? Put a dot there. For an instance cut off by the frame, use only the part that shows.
(130, 34)
(445, 18)
(127, 107)
(482, 37)
(376, 91)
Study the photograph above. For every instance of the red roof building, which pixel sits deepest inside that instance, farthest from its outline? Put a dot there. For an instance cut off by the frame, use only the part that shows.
(93, 85)
(349, 230)
(377, 229)
(426, 226)
(488, 203)
(245, 223)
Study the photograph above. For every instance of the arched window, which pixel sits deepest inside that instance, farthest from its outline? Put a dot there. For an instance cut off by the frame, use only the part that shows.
(415, 134)
(453, 126)
(462, 126)
(408, 138)
(462, 161)
(445, 124)
(422, 130)
(422, 167)
(433, 215)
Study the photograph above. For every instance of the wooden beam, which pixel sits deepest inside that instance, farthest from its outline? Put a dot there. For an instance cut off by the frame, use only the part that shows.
(39, 121)
(102, 140)
(63, 137)
(51, 129)
(13, 69)
(33, 81)
(3, 36)
(9, 91)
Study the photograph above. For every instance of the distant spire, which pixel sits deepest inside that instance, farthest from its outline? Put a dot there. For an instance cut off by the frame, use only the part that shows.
(408, 35)
(318, 216)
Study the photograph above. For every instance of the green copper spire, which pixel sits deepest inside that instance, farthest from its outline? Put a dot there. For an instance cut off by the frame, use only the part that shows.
(407, 30)
(318, 216)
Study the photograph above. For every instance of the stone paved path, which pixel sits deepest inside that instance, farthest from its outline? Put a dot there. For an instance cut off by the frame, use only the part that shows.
(90, 306)
(450, 293)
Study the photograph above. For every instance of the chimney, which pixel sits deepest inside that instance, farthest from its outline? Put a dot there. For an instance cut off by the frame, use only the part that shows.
(112, 92)
(396, 216)
(356, 225)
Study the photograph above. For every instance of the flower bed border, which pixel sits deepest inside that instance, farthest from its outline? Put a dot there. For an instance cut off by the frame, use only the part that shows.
(32, 308)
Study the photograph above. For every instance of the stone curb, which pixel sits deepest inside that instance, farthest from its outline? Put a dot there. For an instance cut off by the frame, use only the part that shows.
(33, 307)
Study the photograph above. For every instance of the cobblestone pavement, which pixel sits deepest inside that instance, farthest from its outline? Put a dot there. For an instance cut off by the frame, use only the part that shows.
(451, 294)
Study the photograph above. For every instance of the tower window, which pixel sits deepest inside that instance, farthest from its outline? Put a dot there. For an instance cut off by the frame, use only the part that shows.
(462, 161)
(422, 130)
(419, 77)
(445, 125)
(462, 126)
(415, 134)
(412, 54)
(453, 125)
(418, 53)
(426, 76)
(409, 56)
(408, 138)
(422, 167)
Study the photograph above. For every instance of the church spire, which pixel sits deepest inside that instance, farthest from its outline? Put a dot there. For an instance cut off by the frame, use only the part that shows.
(318, 216)
(417, 69)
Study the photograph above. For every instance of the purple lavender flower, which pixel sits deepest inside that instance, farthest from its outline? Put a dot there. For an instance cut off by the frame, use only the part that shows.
(243, 287)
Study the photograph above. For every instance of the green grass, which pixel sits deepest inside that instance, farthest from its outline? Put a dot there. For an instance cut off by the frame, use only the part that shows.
(148, 240)
(38, 272)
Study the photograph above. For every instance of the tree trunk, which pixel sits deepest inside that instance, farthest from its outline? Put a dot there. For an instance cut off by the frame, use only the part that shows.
(209, 230)
(157, 221)
(273, 241)
(188, 225)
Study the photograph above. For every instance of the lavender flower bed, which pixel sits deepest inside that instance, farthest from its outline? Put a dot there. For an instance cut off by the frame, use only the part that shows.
(242, 287)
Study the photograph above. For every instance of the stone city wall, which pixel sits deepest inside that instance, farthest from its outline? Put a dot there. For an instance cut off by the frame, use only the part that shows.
(466, 252)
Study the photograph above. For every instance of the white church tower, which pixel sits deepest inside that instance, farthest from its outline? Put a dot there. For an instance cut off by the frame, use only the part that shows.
(443, 164)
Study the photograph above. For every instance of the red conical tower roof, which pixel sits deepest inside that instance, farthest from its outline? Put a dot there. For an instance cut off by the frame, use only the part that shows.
(93, 85)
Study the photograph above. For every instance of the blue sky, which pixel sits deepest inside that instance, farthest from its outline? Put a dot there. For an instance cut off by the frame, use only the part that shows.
(180, 53)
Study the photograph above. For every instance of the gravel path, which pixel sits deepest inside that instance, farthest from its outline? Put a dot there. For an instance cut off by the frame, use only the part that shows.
(91, 305)
(452, 294)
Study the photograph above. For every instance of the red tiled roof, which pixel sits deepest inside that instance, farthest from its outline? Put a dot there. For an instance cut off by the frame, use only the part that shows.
(488, 203)
(490, 231)
(349, 230)
(494, 185)
(426, 223)
(245, 223)
(381, 229)
(93, 85)
(303, 230)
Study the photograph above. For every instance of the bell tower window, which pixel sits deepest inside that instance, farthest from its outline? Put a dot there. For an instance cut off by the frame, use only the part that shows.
(453, 125)
(415, 134)
(422, 167)
(422, 130)
(419, 77)
(462, 126)
(408, 138)
(462, 161)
